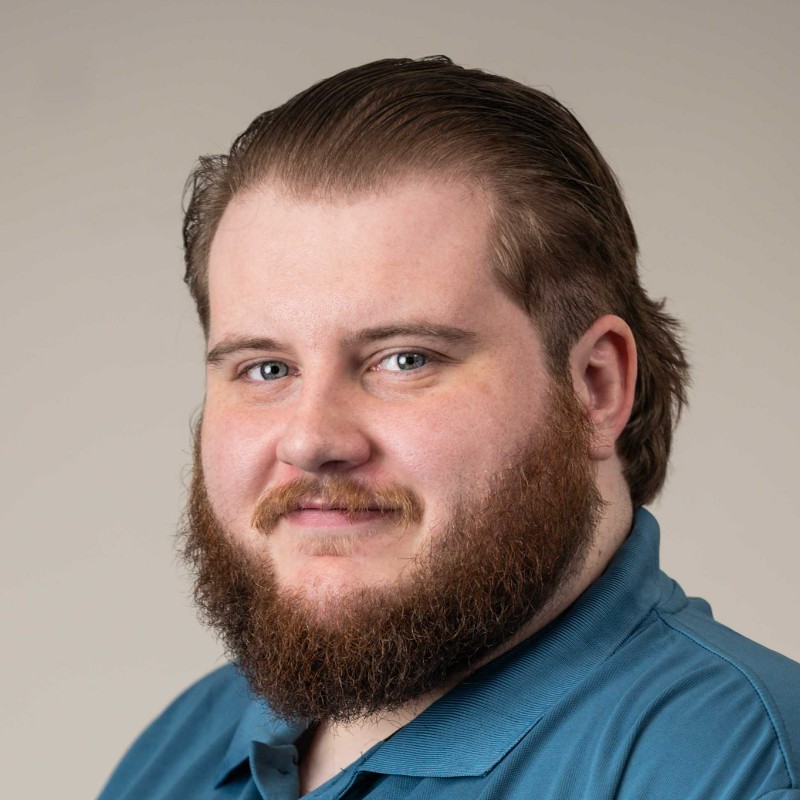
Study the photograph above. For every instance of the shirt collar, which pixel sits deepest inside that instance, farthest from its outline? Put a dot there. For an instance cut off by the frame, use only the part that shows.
(471, 728)
(258, 724)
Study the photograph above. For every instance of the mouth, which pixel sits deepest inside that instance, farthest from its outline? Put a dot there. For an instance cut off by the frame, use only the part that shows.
(310, 503)
(316, 513)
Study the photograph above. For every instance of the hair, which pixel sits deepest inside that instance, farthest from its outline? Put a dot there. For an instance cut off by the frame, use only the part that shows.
(562, 242)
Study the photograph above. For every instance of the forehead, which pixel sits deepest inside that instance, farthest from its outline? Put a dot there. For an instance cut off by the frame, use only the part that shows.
(416, 249)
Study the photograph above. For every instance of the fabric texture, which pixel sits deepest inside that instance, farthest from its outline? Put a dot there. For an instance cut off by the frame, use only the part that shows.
(634, 692)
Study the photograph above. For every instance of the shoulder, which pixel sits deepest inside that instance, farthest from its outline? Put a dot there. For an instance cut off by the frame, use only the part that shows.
(222, 695)
(195, 728)
(224, 689)
(766, 680)
(699, 695)
(682, 708)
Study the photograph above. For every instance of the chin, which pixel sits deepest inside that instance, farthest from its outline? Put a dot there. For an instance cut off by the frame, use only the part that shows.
(324, 579)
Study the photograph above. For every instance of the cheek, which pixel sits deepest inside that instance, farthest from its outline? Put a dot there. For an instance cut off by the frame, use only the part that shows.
(453, 446)
(234, 451)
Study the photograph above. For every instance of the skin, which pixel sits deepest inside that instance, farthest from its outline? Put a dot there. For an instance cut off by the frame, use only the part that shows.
(334, 298)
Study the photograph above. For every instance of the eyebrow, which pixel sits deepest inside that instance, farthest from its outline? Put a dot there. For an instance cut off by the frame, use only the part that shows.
(238, 344)
(428, 330)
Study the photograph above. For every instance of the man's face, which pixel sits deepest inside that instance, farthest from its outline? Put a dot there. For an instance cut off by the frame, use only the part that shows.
(363, 339)
(387, 485)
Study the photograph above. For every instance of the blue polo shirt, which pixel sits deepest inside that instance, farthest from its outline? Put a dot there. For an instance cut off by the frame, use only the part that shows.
(633, 693)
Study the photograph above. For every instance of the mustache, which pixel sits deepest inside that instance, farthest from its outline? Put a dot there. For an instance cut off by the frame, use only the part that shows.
(336, 491)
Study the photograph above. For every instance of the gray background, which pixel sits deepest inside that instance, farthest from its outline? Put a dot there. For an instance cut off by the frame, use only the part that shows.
(105, 107)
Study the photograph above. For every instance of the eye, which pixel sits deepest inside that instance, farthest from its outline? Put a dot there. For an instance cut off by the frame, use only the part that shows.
(403, 362)
(267, 371)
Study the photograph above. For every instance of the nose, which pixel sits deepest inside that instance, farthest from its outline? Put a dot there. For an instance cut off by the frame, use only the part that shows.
(323, 433)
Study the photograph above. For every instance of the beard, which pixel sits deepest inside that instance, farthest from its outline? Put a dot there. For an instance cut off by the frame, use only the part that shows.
(478, 580)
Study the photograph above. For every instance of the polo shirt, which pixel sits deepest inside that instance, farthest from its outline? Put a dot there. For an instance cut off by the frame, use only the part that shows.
(633, 693)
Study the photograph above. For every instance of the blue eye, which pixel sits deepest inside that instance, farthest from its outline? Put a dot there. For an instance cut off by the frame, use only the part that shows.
(403, 362)
(268, 371)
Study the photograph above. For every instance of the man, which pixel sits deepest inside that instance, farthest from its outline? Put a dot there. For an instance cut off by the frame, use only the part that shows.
(437, 399)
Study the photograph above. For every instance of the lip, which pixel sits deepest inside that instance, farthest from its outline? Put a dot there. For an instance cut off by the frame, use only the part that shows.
(323, 515)
(319, 505)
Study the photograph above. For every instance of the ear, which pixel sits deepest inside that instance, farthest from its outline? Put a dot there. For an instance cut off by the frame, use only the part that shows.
(603, 369)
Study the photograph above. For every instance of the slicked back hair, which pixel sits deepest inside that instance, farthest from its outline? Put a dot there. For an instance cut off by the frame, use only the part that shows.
(562, 242)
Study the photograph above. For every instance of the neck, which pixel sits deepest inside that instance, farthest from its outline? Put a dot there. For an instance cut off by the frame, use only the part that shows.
(334, 746)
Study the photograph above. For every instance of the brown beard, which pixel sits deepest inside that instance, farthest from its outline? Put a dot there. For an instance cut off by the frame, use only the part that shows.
(481, 577)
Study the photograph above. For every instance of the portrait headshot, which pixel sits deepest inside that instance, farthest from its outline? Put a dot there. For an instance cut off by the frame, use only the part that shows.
(403, 402)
